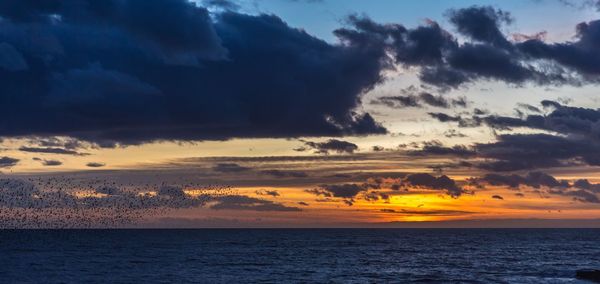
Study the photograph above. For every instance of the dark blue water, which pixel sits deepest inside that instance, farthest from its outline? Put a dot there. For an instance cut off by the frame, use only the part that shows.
(335, 255)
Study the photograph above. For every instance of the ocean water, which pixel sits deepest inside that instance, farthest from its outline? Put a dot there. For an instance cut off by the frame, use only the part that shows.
(298, 255)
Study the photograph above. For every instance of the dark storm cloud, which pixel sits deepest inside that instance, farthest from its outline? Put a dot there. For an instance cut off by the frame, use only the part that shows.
(532, 179)
(580, 190)
(129, 72)
(481, 24)
(580, 55)
(487, 54)
(571, 135)
(585, 184)
(530, 151)
(429, 181)
(566, 120)
(6, 162)
(342, 190)
(578, 139)
(512, 152)
(580, 195)
(331, 145)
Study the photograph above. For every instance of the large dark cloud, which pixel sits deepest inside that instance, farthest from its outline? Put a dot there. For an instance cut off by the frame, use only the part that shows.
(481, 24)
(129, 72)
(576, 138)
(342, 190)
(529, 151)
(563, 135)
(429, 181)
(532, 179)
(581, 55)
(580, 190)
(486, 53)
(566, 120)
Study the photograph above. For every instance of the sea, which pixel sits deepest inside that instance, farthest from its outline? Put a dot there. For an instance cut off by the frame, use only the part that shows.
(298, 255)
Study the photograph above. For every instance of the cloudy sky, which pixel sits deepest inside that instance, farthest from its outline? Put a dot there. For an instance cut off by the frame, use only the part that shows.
(299, 113)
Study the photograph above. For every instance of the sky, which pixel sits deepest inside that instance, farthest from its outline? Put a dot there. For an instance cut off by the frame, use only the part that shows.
(299, 113)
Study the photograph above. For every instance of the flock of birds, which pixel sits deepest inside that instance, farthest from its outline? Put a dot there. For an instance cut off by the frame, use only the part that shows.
(68, 202)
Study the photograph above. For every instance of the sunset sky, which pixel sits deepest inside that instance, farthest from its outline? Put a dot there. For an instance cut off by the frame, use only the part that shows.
(299, 113)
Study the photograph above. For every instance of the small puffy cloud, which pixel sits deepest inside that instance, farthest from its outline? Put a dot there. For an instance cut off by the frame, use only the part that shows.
(332, 145)
(95, 165)
(273, 193)
(6, 162)
(51, 163)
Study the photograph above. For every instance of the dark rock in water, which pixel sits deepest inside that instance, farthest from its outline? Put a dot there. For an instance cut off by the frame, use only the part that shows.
(589, 274)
